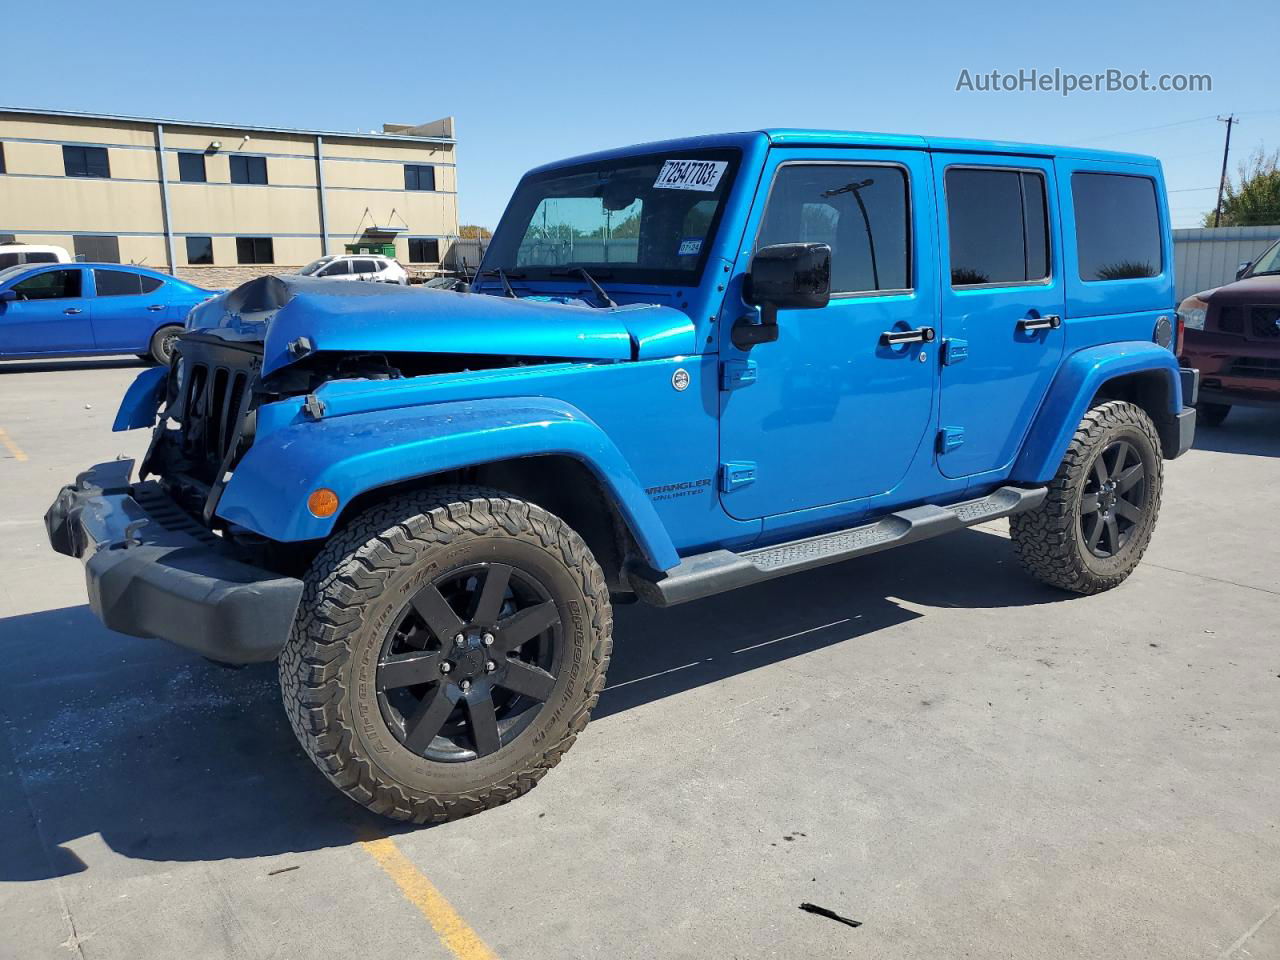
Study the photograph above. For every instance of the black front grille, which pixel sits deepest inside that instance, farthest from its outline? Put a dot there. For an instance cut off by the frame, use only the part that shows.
(1264, 322)
(1259, 368)
(1231, 320)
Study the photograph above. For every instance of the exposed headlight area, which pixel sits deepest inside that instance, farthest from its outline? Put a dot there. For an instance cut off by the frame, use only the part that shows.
(1192, 312)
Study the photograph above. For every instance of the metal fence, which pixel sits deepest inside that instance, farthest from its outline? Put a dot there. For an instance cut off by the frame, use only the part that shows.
(1205, 257)
(465, 254)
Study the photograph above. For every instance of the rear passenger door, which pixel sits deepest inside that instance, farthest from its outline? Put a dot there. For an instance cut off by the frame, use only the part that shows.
(127, 309)
(1002, 304)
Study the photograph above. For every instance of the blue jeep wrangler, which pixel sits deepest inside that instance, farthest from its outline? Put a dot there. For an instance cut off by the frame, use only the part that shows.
(683, 368)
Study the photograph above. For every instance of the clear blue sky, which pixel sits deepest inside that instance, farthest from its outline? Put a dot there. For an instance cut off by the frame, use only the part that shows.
(532, 82)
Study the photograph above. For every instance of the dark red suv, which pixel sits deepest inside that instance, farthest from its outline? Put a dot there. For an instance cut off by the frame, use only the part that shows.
(1232, 334)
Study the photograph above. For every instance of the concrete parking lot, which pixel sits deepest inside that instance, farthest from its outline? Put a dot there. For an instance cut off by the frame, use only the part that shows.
(926, 741)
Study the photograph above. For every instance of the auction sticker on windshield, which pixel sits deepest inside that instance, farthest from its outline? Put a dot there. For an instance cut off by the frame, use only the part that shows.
(701, 175)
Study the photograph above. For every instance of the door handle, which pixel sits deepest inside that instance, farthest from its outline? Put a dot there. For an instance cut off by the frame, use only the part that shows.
(1050, 321)
(919, 335)
(72, 311)
(155, 306)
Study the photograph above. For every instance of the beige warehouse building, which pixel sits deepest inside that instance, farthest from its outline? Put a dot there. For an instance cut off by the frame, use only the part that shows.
(220, 204)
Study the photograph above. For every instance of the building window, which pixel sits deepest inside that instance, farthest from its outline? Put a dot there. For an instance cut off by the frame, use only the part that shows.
(424, 250)
(1117, 226)
(86, 161)
(191, 168)
(860, 212)
(3, 168)
(997, 224)
(249, 169)
(97, 249)
(255, 250)
(419, 177)
(199, 251)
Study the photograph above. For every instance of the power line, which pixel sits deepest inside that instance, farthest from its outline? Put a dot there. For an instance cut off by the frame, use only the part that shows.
(1159, 126)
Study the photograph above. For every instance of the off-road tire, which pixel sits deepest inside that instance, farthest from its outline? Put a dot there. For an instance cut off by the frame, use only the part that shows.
(161, 349)
(1211, 414)
(358, 582)
(1048, 540)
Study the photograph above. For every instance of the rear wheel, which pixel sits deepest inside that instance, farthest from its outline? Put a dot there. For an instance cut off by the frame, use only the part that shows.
(448, 650)
(1211, 414)
(1098, 517)
(162, 342)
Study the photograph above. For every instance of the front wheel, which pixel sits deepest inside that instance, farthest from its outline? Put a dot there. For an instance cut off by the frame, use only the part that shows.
(1094, 526)
(449, 648)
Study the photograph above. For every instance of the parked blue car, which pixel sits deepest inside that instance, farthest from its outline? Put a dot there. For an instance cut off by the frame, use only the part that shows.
(83, 309)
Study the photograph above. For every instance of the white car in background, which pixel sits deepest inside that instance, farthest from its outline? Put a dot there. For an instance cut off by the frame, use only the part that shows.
(357, 266)
(16, 254)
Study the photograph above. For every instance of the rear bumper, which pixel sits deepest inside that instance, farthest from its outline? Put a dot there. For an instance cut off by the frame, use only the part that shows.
(152, 571)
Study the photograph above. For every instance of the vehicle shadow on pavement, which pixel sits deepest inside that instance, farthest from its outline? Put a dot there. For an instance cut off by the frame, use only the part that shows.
(1253, 432)
(78, 363)
(171, 758)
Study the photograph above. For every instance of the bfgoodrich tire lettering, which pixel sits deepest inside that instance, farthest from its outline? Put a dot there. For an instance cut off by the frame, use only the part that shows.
(356, 594)
(1101, 509)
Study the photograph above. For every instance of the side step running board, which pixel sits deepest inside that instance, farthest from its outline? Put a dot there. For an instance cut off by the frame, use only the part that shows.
(719, 570)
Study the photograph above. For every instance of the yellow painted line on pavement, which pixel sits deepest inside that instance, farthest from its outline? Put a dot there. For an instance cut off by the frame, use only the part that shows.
(460, 940)
(15, 451)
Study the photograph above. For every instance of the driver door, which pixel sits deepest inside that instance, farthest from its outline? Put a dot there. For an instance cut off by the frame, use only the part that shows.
(51, 314)
(830, 413)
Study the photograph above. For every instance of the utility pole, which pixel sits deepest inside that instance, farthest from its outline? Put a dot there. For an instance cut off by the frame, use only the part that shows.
(1229, 120)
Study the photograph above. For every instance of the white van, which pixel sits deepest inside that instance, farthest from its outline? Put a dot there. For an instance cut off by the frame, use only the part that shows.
(14, 254)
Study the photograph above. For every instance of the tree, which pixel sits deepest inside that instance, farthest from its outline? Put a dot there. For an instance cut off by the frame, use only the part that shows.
(1255, 200)
(469, 231)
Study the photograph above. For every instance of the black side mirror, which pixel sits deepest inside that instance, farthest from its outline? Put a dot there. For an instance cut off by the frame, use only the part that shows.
(783, 276)
(1243, 268)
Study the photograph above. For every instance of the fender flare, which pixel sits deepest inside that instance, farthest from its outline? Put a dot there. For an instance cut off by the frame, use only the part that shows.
(1078, 381)
(141, 401)
(355, 453)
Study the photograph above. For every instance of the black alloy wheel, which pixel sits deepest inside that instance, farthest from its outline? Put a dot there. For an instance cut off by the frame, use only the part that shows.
(470, 662)
(1111, 502)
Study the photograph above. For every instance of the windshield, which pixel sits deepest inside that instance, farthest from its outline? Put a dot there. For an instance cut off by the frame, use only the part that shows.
(311, 268)
(647, 219)
(1268, 263)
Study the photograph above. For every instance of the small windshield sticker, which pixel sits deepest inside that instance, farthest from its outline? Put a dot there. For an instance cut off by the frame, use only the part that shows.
(703, 175)
(689, 247)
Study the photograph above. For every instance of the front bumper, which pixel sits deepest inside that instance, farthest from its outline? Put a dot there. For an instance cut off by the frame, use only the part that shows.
(152, 571)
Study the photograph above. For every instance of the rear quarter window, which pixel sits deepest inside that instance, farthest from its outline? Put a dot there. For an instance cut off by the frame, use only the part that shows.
(1117, 226)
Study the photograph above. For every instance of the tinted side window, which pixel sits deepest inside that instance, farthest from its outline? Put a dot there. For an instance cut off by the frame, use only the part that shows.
(85, 161)
(116, 283)
(997, 223)
(1117, 226)
(249, 170)
(364, 266)
(199, 250)
(150, 284)
(97, 249)
(859, 211)
(50, 285)
(41, 258)
(8, 260)
(191, 168)
(337, 269)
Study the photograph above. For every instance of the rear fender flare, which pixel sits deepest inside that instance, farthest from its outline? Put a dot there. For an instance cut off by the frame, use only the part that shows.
(357, 453)
(1078, 381)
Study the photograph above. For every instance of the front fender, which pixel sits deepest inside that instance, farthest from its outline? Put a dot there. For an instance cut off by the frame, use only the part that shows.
(356, 453)
(1078, 381)
(141, 401)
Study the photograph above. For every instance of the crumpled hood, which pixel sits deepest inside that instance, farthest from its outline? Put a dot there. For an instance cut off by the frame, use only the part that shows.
(296, 316)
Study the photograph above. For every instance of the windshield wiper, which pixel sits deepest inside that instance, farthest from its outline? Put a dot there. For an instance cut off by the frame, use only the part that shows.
(606, 300)
(506, 284)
